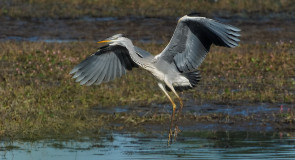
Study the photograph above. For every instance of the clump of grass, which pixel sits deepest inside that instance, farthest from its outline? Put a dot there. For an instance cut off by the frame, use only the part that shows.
(38, 96)
(287, 116)
(257, 73)
(94, 8)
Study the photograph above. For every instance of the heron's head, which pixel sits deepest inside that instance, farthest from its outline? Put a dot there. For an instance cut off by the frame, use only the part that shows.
(116, 39)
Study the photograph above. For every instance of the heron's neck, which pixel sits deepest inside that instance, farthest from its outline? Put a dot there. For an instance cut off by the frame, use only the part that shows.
(134, 56)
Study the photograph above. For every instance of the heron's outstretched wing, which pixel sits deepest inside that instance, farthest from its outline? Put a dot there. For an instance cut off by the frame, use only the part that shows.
(142, 53)
(106, 64)
(192, 39)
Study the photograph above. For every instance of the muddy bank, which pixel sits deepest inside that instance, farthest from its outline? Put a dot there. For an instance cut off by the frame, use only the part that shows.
(203, 117)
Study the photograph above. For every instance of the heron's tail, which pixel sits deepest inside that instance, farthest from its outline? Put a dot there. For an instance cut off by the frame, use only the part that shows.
(194, 77)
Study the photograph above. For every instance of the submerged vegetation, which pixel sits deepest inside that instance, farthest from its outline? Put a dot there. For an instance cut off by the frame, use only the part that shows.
(38, 96)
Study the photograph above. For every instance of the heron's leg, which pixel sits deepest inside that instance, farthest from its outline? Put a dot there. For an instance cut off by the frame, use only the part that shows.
(177, 130)
(173, 112)
(180, 101)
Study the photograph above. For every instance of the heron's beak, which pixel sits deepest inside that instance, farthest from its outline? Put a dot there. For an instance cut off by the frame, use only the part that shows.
(104, 41)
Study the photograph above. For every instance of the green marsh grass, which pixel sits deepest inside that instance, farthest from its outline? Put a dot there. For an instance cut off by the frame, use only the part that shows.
(38, 96)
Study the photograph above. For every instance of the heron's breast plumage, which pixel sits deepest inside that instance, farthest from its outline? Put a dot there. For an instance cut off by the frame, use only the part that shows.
(168, 73)
(157, 73)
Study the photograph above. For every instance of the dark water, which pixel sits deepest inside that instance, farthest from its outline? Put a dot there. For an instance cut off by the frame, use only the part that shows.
(190, 145)
(139, 29)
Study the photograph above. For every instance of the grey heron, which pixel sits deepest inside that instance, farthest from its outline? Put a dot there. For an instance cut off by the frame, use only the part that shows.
(176, 67)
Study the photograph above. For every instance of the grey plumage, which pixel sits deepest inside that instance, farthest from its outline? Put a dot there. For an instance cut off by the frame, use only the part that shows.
(192, 39)
(106, 64)
(175, 67)
(179, 60)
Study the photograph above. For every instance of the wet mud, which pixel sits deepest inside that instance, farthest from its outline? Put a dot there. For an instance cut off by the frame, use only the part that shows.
(262, 117)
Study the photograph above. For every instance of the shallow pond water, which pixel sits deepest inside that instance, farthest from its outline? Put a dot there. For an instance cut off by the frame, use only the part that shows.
(139, 29)
(190, 145)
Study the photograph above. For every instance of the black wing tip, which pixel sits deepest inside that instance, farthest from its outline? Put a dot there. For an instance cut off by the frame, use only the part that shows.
(194, 77)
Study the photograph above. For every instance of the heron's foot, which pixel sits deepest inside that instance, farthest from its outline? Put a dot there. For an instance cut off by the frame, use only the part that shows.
(169, 137)
(176, 131)
(171, 123)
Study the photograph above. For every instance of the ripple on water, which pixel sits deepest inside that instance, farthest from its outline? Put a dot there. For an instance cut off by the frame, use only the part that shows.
(191, 145)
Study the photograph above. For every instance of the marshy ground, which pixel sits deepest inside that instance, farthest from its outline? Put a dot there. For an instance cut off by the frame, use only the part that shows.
(251, 87)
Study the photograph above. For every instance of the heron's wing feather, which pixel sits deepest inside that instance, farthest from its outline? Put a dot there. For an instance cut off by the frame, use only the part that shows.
(106, 64)
(142, 53)
(192, 39)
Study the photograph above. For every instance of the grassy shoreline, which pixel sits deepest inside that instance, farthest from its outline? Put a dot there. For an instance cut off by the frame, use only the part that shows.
(38, 96)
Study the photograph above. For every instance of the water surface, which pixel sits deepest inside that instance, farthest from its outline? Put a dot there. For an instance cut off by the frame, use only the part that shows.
(190, 145)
